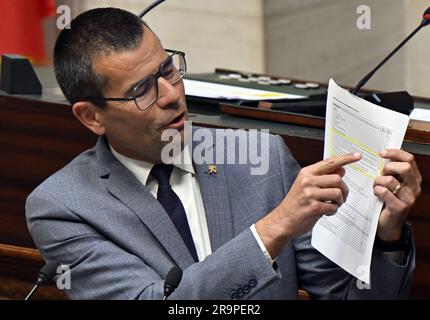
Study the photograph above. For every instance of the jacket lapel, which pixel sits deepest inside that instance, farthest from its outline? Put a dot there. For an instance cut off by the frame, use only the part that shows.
(123, 185)
(216, 200)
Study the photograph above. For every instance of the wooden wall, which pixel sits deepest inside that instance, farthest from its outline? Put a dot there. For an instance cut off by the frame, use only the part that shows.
(36, 139)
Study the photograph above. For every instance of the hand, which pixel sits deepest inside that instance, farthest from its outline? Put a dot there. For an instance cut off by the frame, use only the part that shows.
(318, 190)
(402, 172)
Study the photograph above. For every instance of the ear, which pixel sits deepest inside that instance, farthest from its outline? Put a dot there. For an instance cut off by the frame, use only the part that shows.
(90, 116)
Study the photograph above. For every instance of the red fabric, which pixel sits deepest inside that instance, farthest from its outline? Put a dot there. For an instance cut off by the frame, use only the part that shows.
(21, 28)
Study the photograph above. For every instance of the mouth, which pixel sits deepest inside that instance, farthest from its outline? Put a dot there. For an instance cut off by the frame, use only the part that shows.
(177, 123)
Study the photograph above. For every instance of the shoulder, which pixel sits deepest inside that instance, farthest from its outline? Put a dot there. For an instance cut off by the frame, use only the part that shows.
(68, 182)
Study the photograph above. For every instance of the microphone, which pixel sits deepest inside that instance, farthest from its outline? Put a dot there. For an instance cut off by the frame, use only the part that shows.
(426, 18)
(316, 105)
(150, 7)
(424, 22)
(173, 278)
(47, 272)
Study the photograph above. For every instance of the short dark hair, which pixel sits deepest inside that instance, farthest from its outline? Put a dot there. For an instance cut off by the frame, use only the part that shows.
(93, 33)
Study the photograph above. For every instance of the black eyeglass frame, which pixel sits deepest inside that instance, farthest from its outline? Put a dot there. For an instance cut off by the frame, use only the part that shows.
(157, 75)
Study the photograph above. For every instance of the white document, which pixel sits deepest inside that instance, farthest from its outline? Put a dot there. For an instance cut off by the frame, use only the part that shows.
(222, 91)
(356, 125)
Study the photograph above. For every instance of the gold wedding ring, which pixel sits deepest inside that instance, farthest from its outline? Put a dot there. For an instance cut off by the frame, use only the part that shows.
(397, 189)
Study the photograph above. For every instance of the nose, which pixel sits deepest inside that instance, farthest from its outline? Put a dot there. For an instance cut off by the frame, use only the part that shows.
(167, 93)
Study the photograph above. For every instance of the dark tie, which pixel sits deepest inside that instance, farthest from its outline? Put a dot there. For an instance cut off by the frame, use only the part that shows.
(173, 205)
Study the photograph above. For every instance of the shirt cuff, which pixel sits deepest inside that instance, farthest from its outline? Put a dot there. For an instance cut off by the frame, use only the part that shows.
(262, 246)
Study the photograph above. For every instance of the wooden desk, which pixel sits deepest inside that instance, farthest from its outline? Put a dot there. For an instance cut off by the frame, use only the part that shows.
(39, 135)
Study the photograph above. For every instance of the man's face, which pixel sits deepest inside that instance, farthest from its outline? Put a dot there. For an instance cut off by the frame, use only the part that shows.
(131, 132)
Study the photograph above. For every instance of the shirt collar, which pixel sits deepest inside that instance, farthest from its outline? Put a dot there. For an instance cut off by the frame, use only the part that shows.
(186, 164)
(142, 169)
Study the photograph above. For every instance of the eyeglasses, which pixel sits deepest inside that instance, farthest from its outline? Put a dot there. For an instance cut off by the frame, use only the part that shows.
(145, 93)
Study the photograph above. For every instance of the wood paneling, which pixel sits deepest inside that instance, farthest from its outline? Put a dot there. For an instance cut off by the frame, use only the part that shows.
(36, 139)
(19, 267)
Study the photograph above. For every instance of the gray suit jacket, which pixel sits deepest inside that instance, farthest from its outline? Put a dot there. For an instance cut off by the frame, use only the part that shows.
(96, 217)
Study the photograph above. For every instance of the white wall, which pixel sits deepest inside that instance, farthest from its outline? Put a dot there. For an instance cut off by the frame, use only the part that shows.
(308, 39)
(418, 50)
(222, 33)
(319, 39)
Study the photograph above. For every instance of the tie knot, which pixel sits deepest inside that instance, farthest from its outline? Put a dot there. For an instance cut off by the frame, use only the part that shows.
(162, 172)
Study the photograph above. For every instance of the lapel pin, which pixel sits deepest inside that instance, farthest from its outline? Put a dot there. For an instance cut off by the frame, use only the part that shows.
(212, 169)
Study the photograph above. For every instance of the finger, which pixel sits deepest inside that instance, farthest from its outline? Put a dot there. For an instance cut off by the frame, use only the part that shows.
(391, 201)
(326, 208)
(329, 209)
(340, 171)
(402, 169)
(332, 164)
(332, 181)
(405, 195)
(397, 155)
(332, 195)
(388, 182)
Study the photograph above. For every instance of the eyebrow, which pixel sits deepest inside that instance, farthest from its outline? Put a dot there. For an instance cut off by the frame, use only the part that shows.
(131, 88)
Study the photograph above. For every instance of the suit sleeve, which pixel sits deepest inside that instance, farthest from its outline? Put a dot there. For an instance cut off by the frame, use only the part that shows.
(323, 279)
(100, 269)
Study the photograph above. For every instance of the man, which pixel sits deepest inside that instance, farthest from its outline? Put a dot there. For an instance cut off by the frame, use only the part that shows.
(106, 215)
